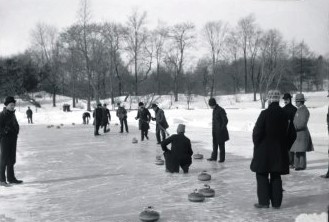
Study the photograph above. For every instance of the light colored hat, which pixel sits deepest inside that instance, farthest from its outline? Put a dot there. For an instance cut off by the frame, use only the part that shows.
(299, 97)
(273, 96)
(181, 128)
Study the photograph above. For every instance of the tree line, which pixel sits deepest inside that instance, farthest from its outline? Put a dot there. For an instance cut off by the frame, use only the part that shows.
(90, 60)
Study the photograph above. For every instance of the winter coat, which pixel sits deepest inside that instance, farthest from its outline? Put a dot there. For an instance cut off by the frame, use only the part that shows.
(303, 142)
(9, 130)
(219, 124)
(181, 149)
(290, 111)
(144, 117)
(86, 115)
(271, 138)
(98, 116)
(106, 116)
(29, 113)
(160, 118)
(121, 113)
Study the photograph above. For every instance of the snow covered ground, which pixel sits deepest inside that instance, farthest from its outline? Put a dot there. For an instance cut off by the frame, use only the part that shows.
(242, 113)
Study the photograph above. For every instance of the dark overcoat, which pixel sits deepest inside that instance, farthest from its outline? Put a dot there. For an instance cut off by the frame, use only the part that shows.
(98, 116)
(271, 138)
(9, 130)
(106, 116)
(144, 117)
(121, 112)
(29, 113)
(219, 124)
(160, 118)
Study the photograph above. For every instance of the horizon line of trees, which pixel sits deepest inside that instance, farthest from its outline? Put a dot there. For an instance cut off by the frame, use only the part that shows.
(91, 60)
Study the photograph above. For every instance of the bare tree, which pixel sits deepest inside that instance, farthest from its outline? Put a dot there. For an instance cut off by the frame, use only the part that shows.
(182, 37)
(214, 34)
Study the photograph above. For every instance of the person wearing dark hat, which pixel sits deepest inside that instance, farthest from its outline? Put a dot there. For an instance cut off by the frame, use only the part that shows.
(271, 138)
(106, 118)
(290, 111)
(144, 117)
(29, 114)
(98, 116)
(327, 174)
(9, 130)
(161, 123)
(303, 142)
(180, 154)
(219, 131)
(122, 115)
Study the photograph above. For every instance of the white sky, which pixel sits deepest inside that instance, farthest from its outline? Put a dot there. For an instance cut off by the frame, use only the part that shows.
(297, 19)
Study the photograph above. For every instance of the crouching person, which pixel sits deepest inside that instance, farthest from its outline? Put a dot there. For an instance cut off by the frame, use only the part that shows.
(180, 154)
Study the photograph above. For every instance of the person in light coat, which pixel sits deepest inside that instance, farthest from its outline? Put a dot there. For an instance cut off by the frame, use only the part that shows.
(303, 142)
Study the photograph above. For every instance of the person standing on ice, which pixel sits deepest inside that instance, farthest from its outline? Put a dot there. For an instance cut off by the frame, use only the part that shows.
(29, 114)
(122, 115)
(290, 111)
(272, 139)
(9, 130)
(180, 154)
(219, 131)
(161, 123)
(327, 174)
(106, 118)
(144, 117)
(303, 142)
(97, 115)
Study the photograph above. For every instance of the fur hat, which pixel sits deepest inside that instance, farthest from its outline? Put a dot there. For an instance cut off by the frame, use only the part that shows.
(181, 128)
(273, 96)
(154, 105)
(287, 96)
(140, 104)
(9, 99)
(299, 97)
(212, 102)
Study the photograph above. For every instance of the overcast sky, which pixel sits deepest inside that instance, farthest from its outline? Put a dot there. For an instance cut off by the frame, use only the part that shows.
(296, 19)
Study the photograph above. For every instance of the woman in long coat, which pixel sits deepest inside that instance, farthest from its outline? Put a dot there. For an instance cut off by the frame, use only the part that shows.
(144, 117)
(303, 142)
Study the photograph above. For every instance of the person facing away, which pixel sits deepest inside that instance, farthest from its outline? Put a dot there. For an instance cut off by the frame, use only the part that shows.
(144, 117)
(327, 174)
(122, 115)
(180, 154)
(290, 111)
(29, 114)
(161, 123)
(98, 116)
(85, 117)
(303, 142)
(271, 139)
(9, 130)
(106, 118)
(219, 131)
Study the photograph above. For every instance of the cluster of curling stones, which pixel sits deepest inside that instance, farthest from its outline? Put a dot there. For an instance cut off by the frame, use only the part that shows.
(201, 194)
(59, 126)
(149, 215)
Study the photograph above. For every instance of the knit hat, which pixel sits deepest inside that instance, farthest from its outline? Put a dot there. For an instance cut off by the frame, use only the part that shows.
(181, 128)
(273, 96)
(154, 105)
(9, 99)
(287, 96)
(212, 102)
(299, 97)
(140, 104)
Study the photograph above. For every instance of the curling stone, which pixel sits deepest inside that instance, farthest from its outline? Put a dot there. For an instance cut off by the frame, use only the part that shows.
(204, 176)
(198, 156)
(134, 140)
(58, 127)
(159, 161)
(62, 124)
(196, 196)
(149, 215)
(73, 124)
(116, 124)
(207, 191)
(48, 127)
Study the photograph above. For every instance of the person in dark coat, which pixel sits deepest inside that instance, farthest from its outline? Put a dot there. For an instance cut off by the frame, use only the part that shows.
(327, 174)
(85, 117)
(122, 115)
(144, 117)
(29, 114)
(106, 118)
(180, 154)
(98, 116)
(271, 138)
(9, 130)
(290, 111)
(161, 123)
(219, 131)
